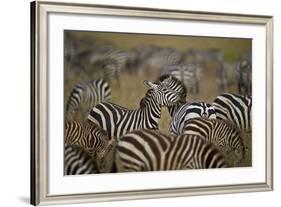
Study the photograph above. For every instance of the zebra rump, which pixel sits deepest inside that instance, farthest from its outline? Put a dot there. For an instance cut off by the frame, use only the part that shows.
(78, 161)
(235, 108)
(221, 133)
(188, 111)
(150, 150)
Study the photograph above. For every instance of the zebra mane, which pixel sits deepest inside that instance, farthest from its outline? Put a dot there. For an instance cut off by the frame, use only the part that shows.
(144, 100)
(174, 83)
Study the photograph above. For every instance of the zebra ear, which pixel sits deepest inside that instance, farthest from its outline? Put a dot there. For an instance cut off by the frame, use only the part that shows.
(149, 84)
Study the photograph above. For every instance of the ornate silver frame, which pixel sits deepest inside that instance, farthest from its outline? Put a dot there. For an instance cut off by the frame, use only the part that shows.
(39, 97)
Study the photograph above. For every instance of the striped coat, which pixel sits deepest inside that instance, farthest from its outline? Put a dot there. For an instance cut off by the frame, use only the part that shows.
(118, 120)
(150, 150)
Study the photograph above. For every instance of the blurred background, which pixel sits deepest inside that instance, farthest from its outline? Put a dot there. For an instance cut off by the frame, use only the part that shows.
(126, 60)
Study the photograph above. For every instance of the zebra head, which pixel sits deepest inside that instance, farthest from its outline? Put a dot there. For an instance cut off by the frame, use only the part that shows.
(163, 95)
(174, 84)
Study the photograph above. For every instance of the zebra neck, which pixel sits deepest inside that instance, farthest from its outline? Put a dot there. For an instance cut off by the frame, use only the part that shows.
(152, 113)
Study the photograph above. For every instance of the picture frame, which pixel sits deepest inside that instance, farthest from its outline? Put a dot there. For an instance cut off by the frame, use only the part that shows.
(42, 95)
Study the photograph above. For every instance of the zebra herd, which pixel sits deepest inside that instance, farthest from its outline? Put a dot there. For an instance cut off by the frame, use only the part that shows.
(104, 61)
(117, 139)
(101, 136)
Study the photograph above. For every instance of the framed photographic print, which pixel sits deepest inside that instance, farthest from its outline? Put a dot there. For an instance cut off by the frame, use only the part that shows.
(134, 103)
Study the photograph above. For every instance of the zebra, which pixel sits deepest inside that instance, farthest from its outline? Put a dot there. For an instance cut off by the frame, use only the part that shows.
(228, 75)
(78, 161)
(175, 85)
(117, 120)
(149, 58)
(221, 133)
(108, 64)
(188, 111)
(94, 140)
(86, 95)
(235, 108)
(150, 150)
(202, 57)
(189, 74)
(245, 77)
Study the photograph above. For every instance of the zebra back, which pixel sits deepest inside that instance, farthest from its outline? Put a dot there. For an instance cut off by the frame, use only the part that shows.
(73, 132)
(188, 111)
(150, 150)
(78, 161)
(235, 108)
(245, 77)
(189, 74)
(221, 133)
(86, 95)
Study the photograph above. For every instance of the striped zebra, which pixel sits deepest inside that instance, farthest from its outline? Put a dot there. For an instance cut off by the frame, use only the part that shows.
(107, 64)
(189, 74)
(221, 133)
(78, 161)
(188, 111)
(150, 58)
(245, 77)
(178, 86)
(117, 120)
(93, 140)
(228, 75)
(86, 95)
(150, 150)
(235, 108)
(203, 57)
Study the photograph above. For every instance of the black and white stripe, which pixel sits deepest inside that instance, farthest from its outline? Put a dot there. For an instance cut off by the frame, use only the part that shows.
(245, 76)
(188, 111)
(189, 74)
(150, 150)
(117, 120)
(85, 96)
(93, 140)
(88, 136)
(108, 64)
(228, 75)
(222, 133)
(235, 108)
(203, 57)
(149, 58)
(177, 86)
(78, 161)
